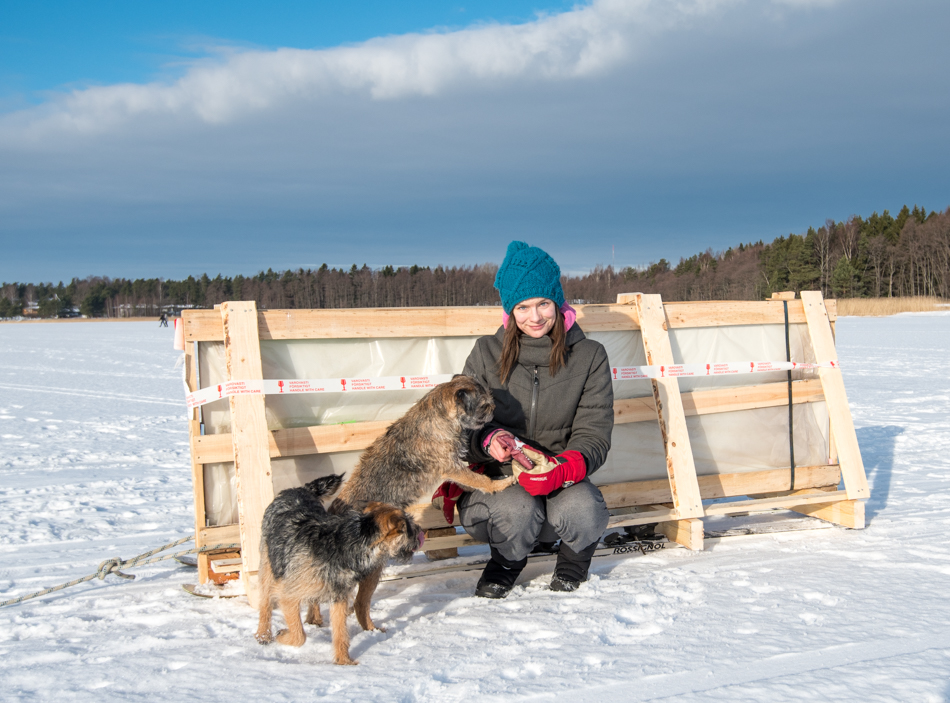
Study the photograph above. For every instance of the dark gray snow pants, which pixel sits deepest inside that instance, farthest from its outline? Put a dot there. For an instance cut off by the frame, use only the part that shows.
(513, 521)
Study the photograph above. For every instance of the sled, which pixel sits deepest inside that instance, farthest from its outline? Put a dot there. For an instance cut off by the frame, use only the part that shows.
(683, 449)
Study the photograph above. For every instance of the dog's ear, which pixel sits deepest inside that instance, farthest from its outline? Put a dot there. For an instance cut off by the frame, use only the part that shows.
(467, 397)
(389, 520)
(391, 523)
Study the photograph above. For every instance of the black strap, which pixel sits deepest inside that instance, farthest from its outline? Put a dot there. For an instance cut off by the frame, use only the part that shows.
(791, 423)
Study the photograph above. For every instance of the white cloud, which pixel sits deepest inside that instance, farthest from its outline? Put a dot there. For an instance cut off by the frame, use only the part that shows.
(586, 40)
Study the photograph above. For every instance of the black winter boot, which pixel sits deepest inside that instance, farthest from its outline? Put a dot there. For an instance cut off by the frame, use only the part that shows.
(571, 567)
(499, 576)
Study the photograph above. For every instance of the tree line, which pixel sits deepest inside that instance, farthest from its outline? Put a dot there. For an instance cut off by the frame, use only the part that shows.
(880, 256)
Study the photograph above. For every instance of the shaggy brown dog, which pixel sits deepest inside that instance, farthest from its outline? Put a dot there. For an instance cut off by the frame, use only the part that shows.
(309, 556)
(417, 453)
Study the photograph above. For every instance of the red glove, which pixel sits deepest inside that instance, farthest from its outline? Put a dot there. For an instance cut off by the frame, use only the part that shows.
(550, 473)
(445, 498)
(448, 494)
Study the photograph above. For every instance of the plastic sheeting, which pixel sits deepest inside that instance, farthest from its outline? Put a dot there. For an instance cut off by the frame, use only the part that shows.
(747, 440)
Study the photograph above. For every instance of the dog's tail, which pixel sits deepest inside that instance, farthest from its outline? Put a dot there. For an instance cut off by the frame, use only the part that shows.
(325, 485)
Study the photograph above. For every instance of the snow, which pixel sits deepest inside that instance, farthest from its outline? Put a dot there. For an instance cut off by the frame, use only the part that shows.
(94, 464)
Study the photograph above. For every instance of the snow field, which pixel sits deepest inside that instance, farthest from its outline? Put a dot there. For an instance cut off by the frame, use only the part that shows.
(94, 464)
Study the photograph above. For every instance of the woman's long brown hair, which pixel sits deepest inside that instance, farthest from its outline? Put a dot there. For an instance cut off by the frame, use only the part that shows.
(511, 347)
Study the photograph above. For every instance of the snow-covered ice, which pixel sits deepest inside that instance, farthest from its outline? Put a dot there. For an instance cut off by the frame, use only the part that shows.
(94, 464)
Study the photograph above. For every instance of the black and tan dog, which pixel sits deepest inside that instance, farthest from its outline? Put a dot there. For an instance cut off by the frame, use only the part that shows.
(416, 454)
(310, 556)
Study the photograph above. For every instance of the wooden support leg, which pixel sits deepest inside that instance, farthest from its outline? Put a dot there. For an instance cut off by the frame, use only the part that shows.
(436, 554)
(848, 513)
(688, 532)
(204, 567)
(251, 587)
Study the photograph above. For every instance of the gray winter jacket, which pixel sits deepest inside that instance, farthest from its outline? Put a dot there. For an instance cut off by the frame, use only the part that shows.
(572, 410)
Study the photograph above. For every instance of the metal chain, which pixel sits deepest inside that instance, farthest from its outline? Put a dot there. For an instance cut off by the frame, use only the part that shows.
(112, 566)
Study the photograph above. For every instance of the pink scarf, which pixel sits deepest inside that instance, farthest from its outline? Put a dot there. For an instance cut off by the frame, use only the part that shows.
(570, 317)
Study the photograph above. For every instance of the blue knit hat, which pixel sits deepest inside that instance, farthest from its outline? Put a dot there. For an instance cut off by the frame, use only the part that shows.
(528, 272)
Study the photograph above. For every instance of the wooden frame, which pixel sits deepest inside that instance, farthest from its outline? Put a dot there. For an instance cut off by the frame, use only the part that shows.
(675, 502)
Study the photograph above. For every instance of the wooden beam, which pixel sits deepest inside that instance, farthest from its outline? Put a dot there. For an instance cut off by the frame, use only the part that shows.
(721, 485)
(249, 435)
(848, 513)
(785, 502)
(436, 533)
(669, 408)
(619, 496)
(839, 413)
(784, 295)
(221, 534)
(689, 532)
(198, 494)
(369, 323)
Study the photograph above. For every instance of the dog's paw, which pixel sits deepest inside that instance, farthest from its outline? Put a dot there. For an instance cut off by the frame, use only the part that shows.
(264, 637)
(345, 662)
(503, 483)
(285, 637)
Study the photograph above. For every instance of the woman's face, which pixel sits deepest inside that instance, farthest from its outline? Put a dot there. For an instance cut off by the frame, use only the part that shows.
(535, 316)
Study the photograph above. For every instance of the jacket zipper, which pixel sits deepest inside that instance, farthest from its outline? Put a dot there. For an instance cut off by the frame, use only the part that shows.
(534, 404)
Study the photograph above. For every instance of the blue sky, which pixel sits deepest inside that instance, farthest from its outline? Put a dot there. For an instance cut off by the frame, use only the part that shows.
(165, 139)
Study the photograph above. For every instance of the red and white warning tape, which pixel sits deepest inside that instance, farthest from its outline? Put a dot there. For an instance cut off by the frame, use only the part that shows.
(400, 383)
(314, 385)
(624, 373)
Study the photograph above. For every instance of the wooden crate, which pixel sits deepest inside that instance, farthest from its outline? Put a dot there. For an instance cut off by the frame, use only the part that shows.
(677, 502)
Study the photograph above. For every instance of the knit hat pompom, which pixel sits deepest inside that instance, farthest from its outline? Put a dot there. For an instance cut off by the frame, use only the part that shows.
(528, 272)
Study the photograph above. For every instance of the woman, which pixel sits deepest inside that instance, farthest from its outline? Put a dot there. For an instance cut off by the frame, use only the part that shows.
(552, 391)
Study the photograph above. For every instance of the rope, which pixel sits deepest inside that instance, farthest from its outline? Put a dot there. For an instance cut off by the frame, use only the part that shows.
(113, 566)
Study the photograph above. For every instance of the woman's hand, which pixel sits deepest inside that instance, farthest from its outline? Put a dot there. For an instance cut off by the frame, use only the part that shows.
(498, 448)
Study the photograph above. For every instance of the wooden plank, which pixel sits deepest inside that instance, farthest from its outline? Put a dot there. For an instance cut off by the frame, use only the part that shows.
(722, 313)
(761, 504)
(720, 485)
(839, 413)
(369, 323)
(198, 496)
(197, 469)
(784, 295)
(689, 532)
(249, 435)
(323, 439)
(220, 534)
(632, 494)
(435, 533)
(831, 305)
(766, 395)
(669, 408)
(848, 513)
